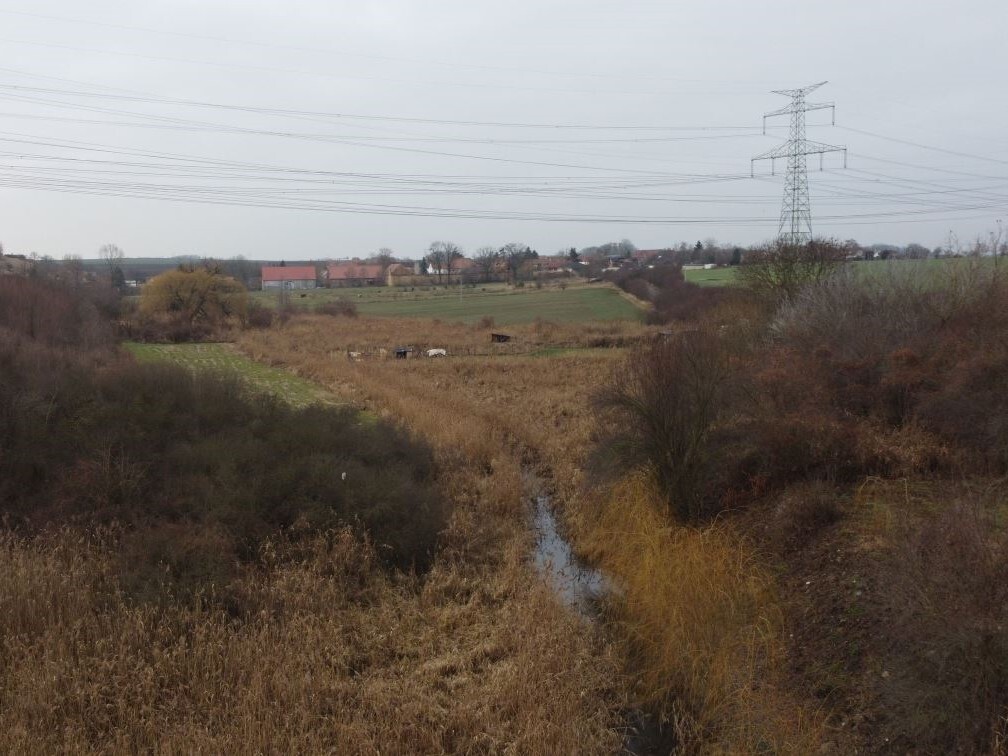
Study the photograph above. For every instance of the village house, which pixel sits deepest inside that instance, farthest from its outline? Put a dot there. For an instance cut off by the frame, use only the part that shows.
(406, 274)
(646, 256)
(462, 269)
(353, 274)
(409, 274)
(547, 266)
(288, 277)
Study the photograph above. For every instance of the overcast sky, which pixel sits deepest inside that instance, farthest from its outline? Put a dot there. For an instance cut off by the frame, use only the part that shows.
(331, 129)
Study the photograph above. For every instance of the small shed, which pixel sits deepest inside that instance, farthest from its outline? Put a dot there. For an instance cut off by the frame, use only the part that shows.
(402, 352)
(499, 338)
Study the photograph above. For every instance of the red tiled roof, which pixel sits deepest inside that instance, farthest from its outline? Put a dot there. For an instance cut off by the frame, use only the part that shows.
(343, 271)
(647, 254)
(288, 273)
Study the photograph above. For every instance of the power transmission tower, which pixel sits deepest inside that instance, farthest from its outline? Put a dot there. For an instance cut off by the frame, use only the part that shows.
(796, 212)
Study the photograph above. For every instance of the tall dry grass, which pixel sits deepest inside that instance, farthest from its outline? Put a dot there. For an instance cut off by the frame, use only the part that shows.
(312, 645)
(335, 658)
(701, 619)
(698, 609)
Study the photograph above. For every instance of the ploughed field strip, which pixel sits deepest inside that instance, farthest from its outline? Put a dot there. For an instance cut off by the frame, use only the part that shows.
(224, 358)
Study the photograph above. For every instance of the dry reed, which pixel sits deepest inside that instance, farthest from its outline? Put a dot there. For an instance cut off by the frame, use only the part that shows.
(697, 607)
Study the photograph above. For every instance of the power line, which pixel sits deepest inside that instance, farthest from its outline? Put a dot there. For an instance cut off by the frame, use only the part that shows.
(329, 74)
(955, 153)
(368, 56)
(329, 115)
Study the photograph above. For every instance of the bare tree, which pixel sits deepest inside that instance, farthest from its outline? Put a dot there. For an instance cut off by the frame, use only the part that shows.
(113, 258)
(486, 260)
(779, 271)
(996, 243)
(442, 256)
(74, 267)
(514, 255)
(384, 258)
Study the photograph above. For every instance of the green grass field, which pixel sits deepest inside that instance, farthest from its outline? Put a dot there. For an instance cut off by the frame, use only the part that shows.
(712, 277)
(504, 304)
(726, 276)
(225, 358)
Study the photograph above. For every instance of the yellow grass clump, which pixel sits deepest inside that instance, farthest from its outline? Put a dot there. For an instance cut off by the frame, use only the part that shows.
(702, 624)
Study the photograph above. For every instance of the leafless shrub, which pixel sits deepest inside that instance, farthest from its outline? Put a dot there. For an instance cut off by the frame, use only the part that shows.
(258, 316)
(947, 689)
(52, 313)
(907, 344)
(664, 403)
(779, 271)
(339, 308)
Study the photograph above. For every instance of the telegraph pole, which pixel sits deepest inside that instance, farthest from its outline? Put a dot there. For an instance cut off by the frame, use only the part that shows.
(796, 212)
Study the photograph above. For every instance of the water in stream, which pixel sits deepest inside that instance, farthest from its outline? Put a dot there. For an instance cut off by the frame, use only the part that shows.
(578, 585)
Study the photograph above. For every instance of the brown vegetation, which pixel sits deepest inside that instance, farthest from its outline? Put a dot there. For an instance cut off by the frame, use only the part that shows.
(779, 271)
(204, 593)
(897, 376)
(496, 412)
(671, 296)
(829, 577)
(791, 621)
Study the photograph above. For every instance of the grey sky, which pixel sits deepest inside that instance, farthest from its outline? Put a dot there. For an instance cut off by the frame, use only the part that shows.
(929, 73)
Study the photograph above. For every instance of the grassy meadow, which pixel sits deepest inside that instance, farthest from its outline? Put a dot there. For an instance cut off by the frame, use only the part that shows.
(505, 305)
(224, 358)
(712, 277)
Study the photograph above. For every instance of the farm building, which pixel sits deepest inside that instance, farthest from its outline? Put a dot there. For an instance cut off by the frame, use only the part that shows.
(647, 256)
(288, 277)
(353, 274)
(460, 267)
(401, 274)
(547, 266)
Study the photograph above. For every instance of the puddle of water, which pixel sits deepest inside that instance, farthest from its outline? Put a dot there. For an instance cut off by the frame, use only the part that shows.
(578, 586)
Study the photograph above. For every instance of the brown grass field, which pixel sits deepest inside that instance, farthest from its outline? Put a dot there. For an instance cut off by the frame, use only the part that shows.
(833, 578)
(697, 619)
(330, 653)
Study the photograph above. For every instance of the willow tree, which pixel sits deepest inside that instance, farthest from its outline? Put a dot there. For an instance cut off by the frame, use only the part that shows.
(197, 295)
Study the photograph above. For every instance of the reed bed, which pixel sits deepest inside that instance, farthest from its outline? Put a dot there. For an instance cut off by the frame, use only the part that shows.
(694, 617)
(334, 657)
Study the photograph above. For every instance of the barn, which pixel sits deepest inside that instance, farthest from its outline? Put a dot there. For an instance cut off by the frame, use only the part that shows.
(288, 277)
(354, 274)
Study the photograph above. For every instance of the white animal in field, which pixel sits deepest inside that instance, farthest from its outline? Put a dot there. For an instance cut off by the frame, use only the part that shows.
(437, 353)
(354, 355)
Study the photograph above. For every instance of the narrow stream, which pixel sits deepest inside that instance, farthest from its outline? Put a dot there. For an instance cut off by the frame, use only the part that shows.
(581, 587)
(578, 585)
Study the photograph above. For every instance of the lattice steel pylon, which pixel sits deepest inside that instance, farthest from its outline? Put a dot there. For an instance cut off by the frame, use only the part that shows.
(796, 211)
